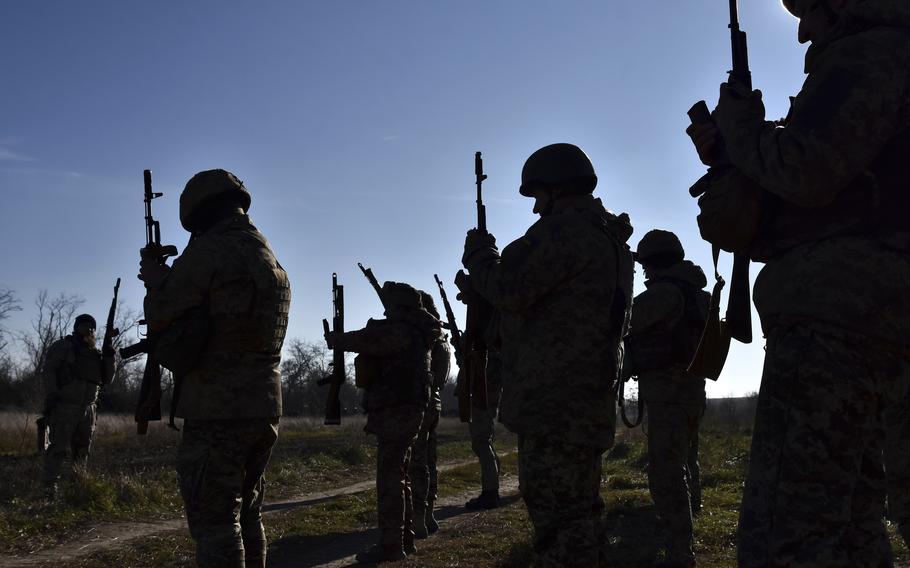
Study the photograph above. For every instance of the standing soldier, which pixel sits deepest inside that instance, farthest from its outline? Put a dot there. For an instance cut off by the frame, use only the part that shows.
(564, 292)
(666, 327)
(229, 281)
(73, 373)
(394, 369)
(835, 237)
(423, 472)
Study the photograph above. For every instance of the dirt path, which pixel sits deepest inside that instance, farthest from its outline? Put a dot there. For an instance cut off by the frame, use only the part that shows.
(340, 551)
(107, 536)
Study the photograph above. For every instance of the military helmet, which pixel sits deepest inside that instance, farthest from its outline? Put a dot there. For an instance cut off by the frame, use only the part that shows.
(84, 318)
(426, 300)
(206, 185)
(558, 164)
(790, 6)
(660, 244)
(400, 294)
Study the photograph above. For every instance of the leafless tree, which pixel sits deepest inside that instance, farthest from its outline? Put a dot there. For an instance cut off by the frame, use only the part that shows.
(8, 304)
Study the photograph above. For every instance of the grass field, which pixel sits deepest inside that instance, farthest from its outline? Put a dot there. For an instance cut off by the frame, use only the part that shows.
(132, 478)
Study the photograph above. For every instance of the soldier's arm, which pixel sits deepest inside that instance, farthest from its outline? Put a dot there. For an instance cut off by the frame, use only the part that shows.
(186, 286)
(658, 305)
(379, 340)
(440, 362)
(55, 357)
(107, 369)
(530, 267)
(848, 109)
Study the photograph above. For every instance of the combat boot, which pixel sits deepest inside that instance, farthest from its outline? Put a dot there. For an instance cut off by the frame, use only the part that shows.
(408, 542)
(487, 500)
(429, 520)
(379, 553)
(421, 531)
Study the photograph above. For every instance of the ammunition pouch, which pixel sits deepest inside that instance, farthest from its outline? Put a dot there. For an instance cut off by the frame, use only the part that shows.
(730, 207)
(178, 347)
(367, 369)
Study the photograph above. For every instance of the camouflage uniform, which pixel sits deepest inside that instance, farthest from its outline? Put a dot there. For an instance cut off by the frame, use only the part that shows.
(675, 400)
(395, 399)
(423, 472)
(482, 425)
(231, 398)
(73, 374)
(563, 291)
(832, 297)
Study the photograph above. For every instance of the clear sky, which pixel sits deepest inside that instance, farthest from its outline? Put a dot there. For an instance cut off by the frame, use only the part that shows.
(354, 125)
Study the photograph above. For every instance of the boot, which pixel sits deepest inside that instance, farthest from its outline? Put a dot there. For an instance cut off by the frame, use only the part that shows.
(408, 542)
(429, 520)
(379, 553)
(421, 531)
(488, 499)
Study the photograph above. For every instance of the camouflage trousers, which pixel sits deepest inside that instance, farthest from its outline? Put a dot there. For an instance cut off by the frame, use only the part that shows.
(71, 428)
(673, 473)
(422, 471)
(483, 430)
(560, 485)
(814, 493)
(395, 428)
(220, 467)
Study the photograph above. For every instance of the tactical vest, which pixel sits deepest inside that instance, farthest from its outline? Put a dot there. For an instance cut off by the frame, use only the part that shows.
(673, 346)
(80, 363)
(403, 378)
(875, 203)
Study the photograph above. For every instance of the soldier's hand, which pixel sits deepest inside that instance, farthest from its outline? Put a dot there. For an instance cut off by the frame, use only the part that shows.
(738, 109)
(330, 339)
(465, 287)
(476, 241)
(704, 137)
(152, 273)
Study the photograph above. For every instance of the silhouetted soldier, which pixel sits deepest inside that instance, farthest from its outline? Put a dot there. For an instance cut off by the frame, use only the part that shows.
(564, 291)
(834, 234)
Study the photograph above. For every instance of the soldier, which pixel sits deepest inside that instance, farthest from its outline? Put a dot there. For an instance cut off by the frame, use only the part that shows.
(423, 472)
(73, 374)
(564, 292)
(667, 322)
(394, 369)
(831, 182)
(230, 399)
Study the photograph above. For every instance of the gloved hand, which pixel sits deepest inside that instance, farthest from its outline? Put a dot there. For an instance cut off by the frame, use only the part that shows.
(465, 287)
(738, 109)
(152, 273)
(704, 137)
(107, 351)
(476, 241)
(331, 338)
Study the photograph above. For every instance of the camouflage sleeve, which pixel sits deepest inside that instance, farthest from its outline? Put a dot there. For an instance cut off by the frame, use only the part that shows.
(530, 267)
(661, 303)
(850, 106)
(186, 286)
(56, 355)
(107, 370)
(381, 340)
(440, 362)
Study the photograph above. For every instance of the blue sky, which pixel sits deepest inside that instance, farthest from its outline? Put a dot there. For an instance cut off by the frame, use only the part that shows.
(354, 125)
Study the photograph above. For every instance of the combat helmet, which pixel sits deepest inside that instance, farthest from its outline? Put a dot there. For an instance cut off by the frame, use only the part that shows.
(84, 318)
(208, 185)
(660, 247)
(790, 6)
(426, 300)
(400, 294)
(561, 164)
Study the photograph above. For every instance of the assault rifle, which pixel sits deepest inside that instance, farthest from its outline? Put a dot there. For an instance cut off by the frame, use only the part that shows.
(473, 376)
(368, 272)
(738, 320)
(337, 378)
(110, 332)
(148, 406)
(451, 324)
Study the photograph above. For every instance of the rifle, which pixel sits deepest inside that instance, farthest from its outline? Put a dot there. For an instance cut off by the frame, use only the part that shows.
(110, 332)
(738, 319)
(452, 324)
(368, 272)
(473, 383)
(337, 378)
(148, 407)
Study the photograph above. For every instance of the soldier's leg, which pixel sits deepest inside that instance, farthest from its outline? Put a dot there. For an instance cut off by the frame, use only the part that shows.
(693, 469)
(668, 451)
(482, 430)
(262, 436)
(863, 538)
(558, 487)
(897, 448)
(419, 474)
(82, 437)
(210, 470)
(815, 422)
(62, 423)
(430, 521)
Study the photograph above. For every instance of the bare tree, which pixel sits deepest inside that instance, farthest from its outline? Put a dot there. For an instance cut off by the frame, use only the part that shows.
(304, 362)
(8, 304)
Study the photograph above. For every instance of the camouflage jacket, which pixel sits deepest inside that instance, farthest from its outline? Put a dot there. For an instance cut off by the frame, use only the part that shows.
(400, 348)
(825, 163)
(563, 291)
(231, 273)
(73, 373)
(660, 310)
